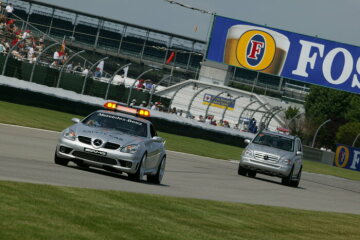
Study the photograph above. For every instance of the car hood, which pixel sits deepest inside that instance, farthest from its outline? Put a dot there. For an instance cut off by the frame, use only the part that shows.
(269, 150)
(106, 135)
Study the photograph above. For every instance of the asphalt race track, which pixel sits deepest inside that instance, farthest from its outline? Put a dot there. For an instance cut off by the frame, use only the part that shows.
(26, 155)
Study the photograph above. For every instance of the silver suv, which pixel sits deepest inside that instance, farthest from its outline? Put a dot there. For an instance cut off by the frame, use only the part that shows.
(273, 154)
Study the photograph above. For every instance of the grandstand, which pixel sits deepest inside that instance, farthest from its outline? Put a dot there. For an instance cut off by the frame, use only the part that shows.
(117, 38)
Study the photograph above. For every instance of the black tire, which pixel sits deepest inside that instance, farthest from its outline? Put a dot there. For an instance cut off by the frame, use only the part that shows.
(297, 181)
(287, 180)
(159, 174)
(139, 175)
(60, 161)
(242, 171)
(251, 173)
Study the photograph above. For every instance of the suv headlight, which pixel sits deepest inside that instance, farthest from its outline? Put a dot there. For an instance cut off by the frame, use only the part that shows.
(287, 161)
(130, 148)
(248, 153)
(70, 134)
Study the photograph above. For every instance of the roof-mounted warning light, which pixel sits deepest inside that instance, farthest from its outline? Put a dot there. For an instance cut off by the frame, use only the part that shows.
(116, 107)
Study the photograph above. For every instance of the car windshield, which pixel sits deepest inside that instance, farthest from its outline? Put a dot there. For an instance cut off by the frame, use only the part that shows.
(275, 141)
(118, 123)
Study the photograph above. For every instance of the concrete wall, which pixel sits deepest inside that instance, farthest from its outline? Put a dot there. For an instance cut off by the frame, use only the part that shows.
(318, 155)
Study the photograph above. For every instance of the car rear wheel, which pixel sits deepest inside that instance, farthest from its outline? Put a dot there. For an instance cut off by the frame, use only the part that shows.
(60, 161)
(139, 175)
(159, 174)
(287, 180)
(242, 171)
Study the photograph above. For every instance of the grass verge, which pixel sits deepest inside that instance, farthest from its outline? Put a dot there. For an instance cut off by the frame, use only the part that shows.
(31, 211)
(53, 120)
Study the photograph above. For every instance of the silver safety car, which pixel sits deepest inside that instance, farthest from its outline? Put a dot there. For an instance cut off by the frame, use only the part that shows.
(115, 141)
(273, 154)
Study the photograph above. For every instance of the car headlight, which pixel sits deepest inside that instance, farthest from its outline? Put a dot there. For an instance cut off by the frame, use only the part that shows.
(287, 161)
(248, 153)
(70, 134)
(130, 148)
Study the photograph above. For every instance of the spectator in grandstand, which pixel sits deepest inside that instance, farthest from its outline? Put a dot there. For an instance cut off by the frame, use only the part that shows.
(201, 119)
(213, 122)
(148, 84)
(9, 10)
(220, 123)
(85, 72)
(226, 124)
(180, 112)
(56, 58)
(26, 34)
(208, 120)
(133, 103)
(140, 86)
(143, 104)
(236, 126)
(2, 48)
(78, 68)
(98, 73)
(173, 110)
(69, 67)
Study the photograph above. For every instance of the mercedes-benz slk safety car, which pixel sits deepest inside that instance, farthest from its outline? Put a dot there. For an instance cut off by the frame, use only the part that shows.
(117, 140)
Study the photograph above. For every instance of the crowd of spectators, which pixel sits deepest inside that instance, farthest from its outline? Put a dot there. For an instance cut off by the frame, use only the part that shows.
(10, 35)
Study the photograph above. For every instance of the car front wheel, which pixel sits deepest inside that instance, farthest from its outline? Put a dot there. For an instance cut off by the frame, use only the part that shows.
(242, 171)
(159, 174)
(297, 181)
(139, 175)
(60, 161)
(288, 179)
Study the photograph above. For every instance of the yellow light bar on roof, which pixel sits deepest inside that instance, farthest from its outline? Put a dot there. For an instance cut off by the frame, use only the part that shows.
(110, 105)
(129, 110)
(144, 113)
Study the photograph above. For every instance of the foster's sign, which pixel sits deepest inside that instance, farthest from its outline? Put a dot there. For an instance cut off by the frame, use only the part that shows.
(286, 54)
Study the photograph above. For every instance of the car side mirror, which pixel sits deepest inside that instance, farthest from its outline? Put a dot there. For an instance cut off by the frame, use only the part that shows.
(75, 120)
(299, 153)
(158, 139)
(247, 141)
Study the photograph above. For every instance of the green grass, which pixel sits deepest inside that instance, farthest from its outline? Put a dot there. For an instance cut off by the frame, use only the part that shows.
(30, 211)
(53, 120)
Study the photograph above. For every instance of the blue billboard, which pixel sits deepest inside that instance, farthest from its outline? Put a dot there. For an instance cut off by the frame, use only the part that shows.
(218, 101)
(286, 54)
(347, 157)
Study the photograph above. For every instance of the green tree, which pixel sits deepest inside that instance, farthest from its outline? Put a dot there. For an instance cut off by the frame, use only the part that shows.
(353, 112)
(347, 134)
(325, 103)
(291, 112)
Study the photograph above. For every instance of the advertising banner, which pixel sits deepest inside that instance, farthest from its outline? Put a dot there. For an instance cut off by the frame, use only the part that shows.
(347, 157)
(286, 54)
(219, 102)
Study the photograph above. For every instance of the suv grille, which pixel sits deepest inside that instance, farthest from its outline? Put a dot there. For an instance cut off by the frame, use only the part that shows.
(265, 156)
(95, 158)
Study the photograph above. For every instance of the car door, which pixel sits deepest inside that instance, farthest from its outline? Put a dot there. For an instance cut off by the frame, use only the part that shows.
(154, 149)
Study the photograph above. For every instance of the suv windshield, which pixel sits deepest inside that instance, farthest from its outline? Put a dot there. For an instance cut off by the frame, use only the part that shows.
(118, 123)
(275, 141)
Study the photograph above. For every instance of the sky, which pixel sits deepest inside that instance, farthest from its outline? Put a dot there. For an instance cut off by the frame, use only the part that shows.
(328, 19)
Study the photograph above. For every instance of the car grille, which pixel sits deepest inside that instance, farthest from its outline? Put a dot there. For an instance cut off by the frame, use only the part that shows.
(95, 158)
(83, 139)
(263, 156)
(112, 146)
(108, 145)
